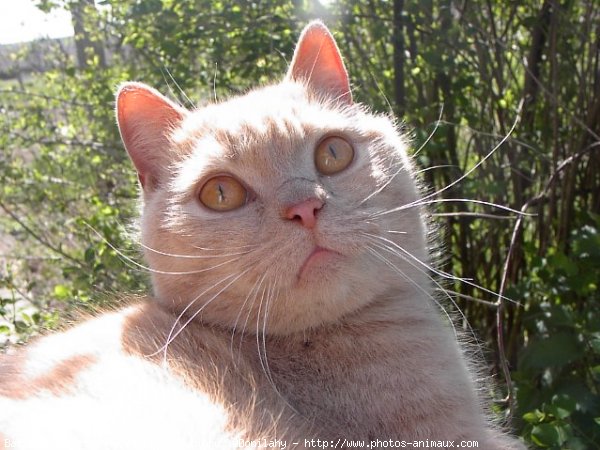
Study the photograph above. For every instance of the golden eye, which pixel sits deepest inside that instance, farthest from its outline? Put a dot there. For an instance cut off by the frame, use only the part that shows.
(223, 193)
(333, 155)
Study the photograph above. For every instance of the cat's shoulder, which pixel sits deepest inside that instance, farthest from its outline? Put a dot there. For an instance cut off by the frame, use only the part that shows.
(94, 379)
(55, 357)
(131, 339)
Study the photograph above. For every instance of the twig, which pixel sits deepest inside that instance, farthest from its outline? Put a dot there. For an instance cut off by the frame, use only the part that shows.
(46, 97)
(516, 230)
(37, 237)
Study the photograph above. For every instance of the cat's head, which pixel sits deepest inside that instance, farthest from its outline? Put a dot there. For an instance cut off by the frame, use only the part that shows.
(260, 211)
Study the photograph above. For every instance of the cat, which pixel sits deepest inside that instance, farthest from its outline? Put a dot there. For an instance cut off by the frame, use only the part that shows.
(291, 307)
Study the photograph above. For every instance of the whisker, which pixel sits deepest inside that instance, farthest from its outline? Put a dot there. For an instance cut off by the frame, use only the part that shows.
(441, 288)
(437, 272)
(439, 166)
(234, 329)
(264, 361)
(215, 83)
(188, 306)
(414, 283)
(314, 64)
(342, 95)
(260, 285)
(123, 229)
(471, 298)
(382, 93)
(448, 200)
(492, 135)
(225, 248)
(133, 262)
(173, 334)
(481, 161)
(260, 305)
(390, 179)
(175, 255)
(474, 214)
(437, 125)
(177, 85)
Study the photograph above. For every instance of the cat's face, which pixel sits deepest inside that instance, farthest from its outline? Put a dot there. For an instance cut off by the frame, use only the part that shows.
(260, 211)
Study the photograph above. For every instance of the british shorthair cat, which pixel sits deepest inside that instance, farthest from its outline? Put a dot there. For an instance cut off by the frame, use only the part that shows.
(291, 305)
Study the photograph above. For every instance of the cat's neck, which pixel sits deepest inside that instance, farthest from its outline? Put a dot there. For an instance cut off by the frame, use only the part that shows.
(392, 310)
(371, 345)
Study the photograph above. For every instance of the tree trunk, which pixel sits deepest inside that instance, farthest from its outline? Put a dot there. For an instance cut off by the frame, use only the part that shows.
(398, 39)
(83, 15)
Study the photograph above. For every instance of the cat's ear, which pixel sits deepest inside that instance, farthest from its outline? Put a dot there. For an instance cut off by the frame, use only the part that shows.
(146, 118)
(317, 62)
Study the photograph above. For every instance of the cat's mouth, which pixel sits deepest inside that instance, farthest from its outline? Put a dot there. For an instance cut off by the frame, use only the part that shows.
(319, 260)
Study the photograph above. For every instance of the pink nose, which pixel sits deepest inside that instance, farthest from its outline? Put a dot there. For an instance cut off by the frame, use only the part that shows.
(305, 212)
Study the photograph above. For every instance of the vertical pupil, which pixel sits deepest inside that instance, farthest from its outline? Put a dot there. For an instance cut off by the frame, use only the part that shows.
(332, 151)
(221, 193)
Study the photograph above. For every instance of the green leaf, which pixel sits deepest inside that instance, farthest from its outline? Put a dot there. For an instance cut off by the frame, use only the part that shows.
(576, 444)
(554, 351)
(90, 255)
(533, 416)
(558, 412)
(563, 406)
(562, 261)
(595, 344)
(61, 291)
(545, 435)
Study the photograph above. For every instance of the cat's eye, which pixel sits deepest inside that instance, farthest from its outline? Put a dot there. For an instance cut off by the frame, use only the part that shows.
(332, 155)
(223, 193)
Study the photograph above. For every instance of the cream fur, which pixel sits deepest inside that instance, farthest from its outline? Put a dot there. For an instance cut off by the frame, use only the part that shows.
(356, 348)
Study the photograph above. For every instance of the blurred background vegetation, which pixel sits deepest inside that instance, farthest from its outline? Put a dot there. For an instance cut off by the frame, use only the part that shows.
(526, 74)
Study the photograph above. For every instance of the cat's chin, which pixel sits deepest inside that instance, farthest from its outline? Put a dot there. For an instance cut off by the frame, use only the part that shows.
(320, 263)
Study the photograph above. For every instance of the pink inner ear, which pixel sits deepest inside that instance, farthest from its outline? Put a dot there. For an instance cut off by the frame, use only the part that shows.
(318, 62)
(145, 120)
